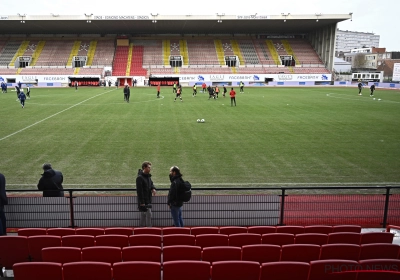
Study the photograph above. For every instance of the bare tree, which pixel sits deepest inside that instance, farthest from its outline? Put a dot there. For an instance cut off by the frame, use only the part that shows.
(359, 61)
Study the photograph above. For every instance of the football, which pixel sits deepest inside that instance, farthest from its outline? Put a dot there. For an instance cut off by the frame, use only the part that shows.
(202, 120)
(198, 120)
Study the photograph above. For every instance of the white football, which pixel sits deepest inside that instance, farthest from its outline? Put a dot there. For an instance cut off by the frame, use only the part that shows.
(202, 120)
(198, 120)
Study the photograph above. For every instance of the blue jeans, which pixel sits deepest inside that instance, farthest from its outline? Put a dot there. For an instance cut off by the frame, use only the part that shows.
(176, 213)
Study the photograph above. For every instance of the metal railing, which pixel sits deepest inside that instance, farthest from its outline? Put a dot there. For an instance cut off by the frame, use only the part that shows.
(365, 206)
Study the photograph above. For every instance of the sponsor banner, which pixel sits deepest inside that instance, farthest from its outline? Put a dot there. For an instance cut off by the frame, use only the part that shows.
(120, 17)
(396, 72)
(3, 17)
(252, 17)
(250, 77)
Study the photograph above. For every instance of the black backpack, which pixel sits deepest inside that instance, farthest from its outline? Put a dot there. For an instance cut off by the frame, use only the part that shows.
(185, 191)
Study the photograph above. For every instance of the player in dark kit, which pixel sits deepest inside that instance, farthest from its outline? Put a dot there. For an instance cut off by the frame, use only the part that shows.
(22, 98)
(223, 94)
(359, 88)
(127, 93)
(372, 88)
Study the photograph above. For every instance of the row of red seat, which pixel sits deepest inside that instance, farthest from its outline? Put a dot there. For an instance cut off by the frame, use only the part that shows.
(259, 253)
(201, 270)
(193, 231)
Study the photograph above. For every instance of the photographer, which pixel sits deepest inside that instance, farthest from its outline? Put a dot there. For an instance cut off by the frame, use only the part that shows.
(145, 189)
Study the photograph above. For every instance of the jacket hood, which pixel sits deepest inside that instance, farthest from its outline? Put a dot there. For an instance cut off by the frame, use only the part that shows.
(141, 173)
(48, 173)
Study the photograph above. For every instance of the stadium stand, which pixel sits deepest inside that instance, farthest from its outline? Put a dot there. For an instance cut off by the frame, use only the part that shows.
(142, 253)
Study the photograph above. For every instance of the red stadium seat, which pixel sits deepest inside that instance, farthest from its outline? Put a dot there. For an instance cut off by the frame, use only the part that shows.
(37, 243)
(340, 251)
(31, 231)
(221, 253)
(175, 230)
(380, 264)
(277, 238)
(261, 253)
(60, 231)
(318, 229)
(179, 239)
(145, 240)
(241, 239)
(300, 252)
(153, 231)
(61, 254)
(90, 231)
(311, 238)
(38, 271)
(347, 228)
(14, 249)
(204, 230)
(212, 240)
(378, 275)
(379, 251)
(261, 229)
(102, 254)
(113, 240)
(284, 271)
(79, 241)
(290, 229)
(137, 270)
(330, 270)
(181, 252)
(87, 271)
(235, 270)
(376, 237)
(184, 270)
(344, 237)
(119, 231)
(142, 253)
(232, 230)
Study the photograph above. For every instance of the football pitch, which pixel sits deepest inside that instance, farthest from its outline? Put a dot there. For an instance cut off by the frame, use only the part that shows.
(322, 136)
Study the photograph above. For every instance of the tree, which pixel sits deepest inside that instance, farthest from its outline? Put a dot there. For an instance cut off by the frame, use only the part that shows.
(359, 61)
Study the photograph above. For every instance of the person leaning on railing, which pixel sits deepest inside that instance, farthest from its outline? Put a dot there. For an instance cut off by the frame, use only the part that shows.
(51, 182)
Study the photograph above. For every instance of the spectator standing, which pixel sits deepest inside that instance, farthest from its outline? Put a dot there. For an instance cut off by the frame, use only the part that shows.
(3, 201)
(174, 203)
(233, 97)
(51, 182)
(145, 189)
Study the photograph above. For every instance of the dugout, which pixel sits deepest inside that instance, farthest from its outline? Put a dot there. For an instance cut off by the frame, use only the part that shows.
(84, 81)
(163, 81)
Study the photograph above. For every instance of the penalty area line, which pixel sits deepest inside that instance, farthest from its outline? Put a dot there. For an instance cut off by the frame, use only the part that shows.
(49, 117)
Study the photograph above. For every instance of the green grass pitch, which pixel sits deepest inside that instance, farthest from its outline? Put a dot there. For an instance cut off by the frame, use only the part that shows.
(273, 137)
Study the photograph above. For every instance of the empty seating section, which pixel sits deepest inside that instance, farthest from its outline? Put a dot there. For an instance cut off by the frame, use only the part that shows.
(304, 52)
(55, 53)
(202, 52)
(104, 53)
(258, 252)
(136, 68)
(8, 51)
(120, 61)
(249, 52)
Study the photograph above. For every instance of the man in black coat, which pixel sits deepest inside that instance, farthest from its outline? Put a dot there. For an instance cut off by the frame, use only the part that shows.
(3, 201)
(145, 189)
(127, 93)
(51, 182)
(174, 203)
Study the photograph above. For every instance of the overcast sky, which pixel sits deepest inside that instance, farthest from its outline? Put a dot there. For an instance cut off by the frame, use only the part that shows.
(378, 17)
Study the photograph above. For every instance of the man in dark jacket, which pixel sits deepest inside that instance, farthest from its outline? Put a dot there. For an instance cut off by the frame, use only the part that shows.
(145, 189)
(127, 93)
(51, 182)
(174, 203)
(3, 201)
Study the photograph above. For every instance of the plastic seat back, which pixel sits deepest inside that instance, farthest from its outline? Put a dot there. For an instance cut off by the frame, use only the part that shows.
(332, 269)
(311, 238)
(112, 240)
(204, 230)
(137, 270)
(78, 241)
(232, 230)
(90, 231)
(290, 229)
(104, 254)
(145, 240)
(175, 230)
(261, 253)
(38, 270)
(38, 242)
(184, 270)
(14, 249)
(235, 270)
(153, 231)
(179, 239)
(284, 271)
(261, 229)
(87, 270)
(376, 237)
(277, 238)
(119, 231)
(61, 254)
(300, 252)
(344, 237)
(141, 253)
(241, 239)
(379, 251)
(318, 229)
(340, 251)
(181, 252)
(31, 231)
(60, 231)
(222, 253)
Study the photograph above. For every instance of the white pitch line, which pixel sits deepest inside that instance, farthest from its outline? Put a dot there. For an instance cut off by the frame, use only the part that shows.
(62, 111)
(361, 98)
